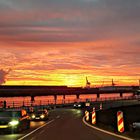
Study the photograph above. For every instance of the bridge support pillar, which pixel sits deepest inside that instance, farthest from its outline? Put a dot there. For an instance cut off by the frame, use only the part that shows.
(64, 97)
(121, 94)
(77, 96)
(98, 95)
(135, 93)
(32, 98)
(55, 99)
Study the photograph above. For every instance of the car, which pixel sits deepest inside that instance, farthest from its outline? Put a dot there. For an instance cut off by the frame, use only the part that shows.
(50, 107)
(14, 120)
(39, 115)
(78, 105)
(135, 126)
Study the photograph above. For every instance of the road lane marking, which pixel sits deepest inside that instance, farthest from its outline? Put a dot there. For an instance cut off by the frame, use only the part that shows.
(58, 117)
(107, 132)
(35, 130)
(32, 138)
(41, 132)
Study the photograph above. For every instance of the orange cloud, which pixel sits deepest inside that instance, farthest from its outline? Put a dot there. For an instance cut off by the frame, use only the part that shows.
(60, 43)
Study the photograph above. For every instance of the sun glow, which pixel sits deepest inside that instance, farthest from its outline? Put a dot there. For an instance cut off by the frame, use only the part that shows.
(54, 43)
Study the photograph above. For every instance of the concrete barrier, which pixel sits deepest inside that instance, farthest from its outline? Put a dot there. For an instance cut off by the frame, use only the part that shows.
(108, 117)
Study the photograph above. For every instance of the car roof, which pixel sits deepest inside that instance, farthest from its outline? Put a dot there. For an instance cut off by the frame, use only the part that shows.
(13, 110)
(10, 111)
(39, 110)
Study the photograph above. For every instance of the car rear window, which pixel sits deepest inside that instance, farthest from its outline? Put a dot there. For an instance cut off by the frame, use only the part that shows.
(39, 112)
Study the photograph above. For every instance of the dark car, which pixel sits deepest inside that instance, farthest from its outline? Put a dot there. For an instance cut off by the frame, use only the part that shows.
(78, 105)
(39, 115)
(14, 120)
(135, 126)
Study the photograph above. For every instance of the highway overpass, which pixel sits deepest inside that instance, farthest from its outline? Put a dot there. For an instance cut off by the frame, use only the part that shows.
(23, 91)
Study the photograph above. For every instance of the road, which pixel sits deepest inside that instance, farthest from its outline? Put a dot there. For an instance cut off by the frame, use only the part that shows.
(63, 124)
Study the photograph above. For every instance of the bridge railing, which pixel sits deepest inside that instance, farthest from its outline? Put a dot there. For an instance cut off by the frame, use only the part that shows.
(13, 104)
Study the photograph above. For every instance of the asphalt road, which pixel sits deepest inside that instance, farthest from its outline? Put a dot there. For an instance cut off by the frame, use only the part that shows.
(63, 124)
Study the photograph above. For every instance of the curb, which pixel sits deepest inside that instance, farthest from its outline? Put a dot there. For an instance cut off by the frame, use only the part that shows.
(105, 131)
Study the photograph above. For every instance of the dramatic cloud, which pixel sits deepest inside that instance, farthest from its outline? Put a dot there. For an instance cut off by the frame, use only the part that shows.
(3, 75)
(49, 41)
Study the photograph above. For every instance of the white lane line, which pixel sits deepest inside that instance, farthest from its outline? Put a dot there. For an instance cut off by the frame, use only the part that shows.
(58, 117)
(32, 138)
(107, 132)
(41, 132)
(35, 130)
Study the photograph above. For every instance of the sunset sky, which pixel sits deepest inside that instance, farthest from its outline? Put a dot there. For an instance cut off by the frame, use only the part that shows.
(60, 42)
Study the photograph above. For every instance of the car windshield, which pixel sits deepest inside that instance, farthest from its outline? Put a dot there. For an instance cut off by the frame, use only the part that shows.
(10, 114)
(77, 103)
(40, 112)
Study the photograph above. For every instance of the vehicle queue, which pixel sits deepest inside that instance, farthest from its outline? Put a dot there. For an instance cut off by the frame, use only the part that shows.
(17, 120)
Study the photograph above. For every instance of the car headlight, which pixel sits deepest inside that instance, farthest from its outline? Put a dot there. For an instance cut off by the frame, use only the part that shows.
(14, 122)
(79, 105)
(33, 116)
(74, 105)
(42, 116)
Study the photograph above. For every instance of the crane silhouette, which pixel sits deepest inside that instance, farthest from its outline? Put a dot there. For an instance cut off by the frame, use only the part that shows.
(113, 84)
(87, 83)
